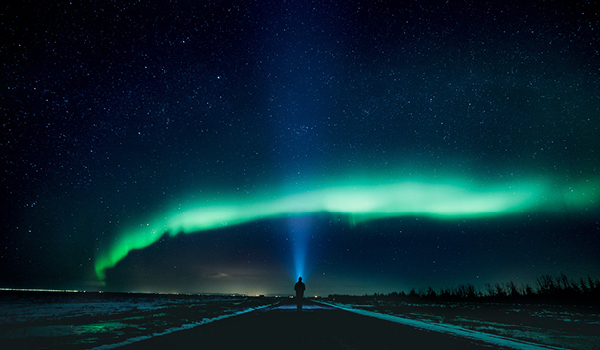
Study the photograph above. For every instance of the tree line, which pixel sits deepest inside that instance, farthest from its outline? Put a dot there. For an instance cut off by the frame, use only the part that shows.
(547, 289)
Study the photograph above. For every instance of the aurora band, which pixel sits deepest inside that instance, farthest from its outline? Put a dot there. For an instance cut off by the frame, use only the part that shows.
(356, 203)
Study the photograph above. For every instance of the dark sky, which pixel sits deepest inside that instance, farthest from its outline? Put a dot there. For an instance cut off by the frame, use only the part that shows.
(226, 147)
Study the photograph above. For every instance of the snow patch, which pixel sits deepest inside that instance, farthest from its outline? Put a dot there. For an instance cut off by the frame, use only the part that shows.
(176, 329)
(449, 329)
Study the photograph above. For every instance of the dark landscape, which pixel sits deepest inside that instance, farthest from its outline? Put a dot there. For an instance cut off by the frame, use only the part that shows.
(555, 314)
(179, 173)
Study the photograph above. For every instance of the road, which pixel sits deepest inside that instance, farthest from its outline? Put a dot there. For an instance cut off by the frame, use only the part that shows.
(315, 327)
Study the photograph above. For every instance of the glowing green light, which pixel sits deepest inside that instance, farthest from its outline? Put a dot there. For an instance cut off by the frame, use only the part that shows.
(357, 203)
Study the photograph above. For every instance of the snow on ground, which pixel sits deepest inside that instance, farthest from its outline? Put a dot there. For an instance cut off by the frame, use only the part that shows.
(86, 320)
(106, 321)
(44, 309)
(175, 329)
(293, 307)
(513, 326)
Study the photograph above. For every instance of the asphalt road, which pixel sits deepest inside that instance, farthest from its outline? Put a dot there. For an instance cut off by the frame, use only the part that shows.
(315, 327)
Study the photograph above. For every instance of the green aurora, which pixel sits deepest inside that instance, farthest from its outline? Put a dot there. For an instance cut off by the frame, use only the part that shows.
(452, 199)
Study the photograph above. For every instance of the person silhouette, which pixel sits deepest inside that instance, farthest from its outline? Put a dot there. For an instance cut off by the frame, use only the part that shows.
(299, 288)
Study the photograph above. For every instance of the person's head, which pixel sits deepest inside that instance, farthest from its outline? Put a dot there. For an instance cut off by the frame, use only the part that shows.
(299, 279)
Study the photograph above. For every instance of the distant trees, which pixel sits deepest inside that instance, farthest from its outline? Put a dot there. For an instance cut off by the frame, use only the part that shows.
(548, 289)
(564, 287)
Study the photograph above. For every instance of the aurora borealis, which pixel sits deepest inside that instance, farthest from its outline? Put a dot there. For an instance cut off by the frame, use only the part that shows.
(224, 147)
(358, 203)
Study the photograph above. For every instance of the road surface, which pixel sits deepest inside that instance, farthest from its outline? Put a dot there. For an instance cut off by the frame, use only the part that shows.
(315, 327)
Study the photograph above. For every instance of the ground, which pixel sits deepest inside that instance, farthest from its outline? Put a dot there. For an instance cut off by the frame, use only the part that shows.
(315, 327)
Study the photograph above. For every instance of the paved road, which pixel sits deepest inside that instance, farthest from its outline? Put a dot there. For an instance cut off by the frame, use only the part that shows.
(316, 327)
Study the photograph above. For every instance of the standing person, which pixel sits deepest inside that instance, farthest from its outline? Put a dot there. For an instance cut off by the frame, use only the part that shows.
(299, 288)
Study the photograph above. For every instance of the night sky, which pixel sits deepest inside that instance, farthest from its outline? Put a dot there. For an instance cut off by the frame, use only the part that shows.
(230, 146)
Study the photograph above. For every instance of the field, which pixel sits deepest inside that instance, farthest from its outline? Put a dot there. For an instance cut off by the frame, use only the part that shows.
(107, 320)
(89, 320)
(572, 327)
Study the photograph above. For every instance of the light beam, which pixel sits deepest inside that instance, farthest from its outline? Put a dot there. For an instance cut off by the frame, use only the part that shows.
(300, 229)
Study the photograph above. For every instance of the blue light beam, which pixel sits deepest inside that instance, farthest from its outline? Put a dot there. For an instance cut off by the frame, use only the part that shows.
(300, 230)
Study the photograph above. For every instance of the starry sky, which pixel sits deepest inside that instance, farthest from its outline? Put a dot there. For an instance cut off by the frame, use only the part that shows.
(230, 146)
